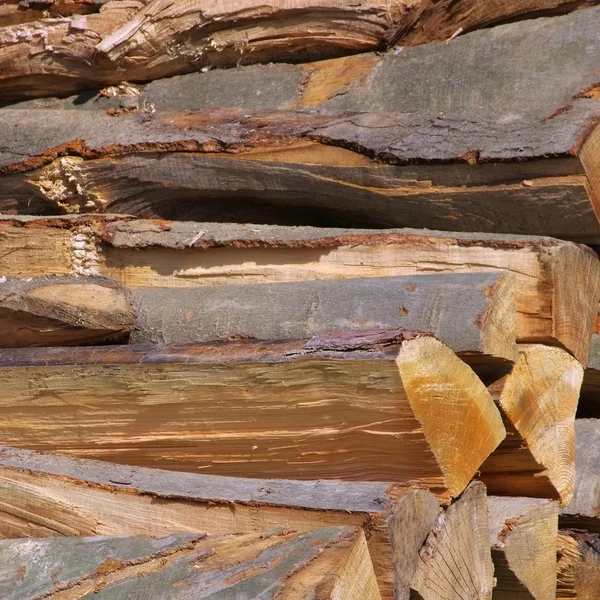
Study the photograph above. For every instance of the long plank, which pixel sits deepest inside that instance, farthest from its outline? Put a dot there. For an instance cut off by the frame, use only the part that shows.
(63, 311)
(377, 406)
(49, 495)
(147, 39)
(333, 562)
(557, 283)
(472, 313)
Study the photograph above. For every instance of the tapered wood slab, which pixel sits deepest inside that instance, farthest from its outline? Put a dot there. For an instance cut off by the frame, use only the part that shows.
(524, 546)
(583, 511)
(146, 39)
(294, 409)
(63, 311)
(472, 313)
(333, 562)
(557, 283)
(538, 401)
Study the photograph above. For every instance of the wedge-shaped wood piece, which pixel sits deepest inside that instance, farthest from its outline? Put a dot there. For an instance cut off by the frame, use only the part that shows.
(584, 510)
(328, 563)
(293, 409)
(578, 571)
(557, 282)
(147, 39)
(455, 561)
(472, 313)
(49, 495)
(524, 532)
(63, 311)
(538, 400)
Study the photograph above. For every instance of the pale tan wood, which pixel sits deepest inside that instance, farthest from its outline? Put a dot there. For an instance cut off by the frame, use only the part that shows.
(590, 159)
(578, 569)
(63, 311)
(524, 532)
(330, 563)
(263, 410)
(555, 280)
(455, 561)
(538, 400)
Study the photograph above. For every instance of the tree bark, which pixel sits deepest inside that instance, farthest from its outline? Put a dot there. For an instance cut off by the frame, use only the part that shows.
(538, 401)
(582, 512)
(151, 254)
(578, 571)
(63, 311)
(472, 313)
(524, 547)
(328, 563)
(260, 409)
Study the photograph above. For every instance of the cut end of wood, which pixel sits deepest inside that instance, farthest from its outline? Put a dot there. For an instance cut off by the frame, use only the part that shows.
(459, 418)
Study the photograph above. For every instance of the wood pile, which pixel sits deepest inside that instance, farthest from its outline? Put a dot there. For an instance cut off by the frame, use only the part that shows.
(299, 300)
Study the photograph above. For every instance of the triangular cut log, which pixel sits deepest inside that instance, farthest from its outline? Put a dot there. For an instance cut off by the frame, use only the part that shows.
(71, 51)
(582, 512)
(578, 571)
(557, 282)
(327, 563)
(472, 313)
(524, 532)
(63, 311)
(538, 400)
(375, 406)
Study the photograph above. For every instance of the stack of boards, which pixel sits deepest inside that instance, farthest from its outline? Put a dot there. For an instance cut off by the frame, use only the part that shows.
(299, 300)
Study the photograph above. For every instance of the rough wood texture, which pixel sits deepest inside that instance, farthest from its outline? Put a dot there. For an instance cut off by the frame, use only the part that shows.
(472, 313)
(148, 39)
(557, 283)
(578, 570)
(584, 510)
(455, 560)
(260, 409)
(63, 311)
(329, 563)
(523, 532)
(538, 400)
(589, 404)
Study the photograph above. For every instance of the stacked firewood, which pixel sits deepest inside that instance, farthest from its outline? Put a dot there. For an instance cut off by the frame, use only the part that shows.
(295, 301)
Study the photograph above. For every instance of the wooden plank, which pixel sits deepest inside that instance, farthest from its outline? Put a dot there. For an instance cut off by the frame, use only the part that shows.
(260, 409)
(63, 311)
(524, 533)
(578, 570)
(558, 283)
(583, 510)
(144, 40)
(472, 313)
(48, 495)
(333, 562)
(538, 401)
(181, 165)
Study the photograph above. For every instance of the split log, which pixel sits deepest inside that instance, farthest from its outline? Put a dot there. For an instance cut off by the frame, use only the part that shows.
(538, 401)
(472, 313)
(63, 311)
(578, 576)
(583, 510)
(260, 409)
(212, 166)
(557, 283)
(148, 39)
(50, 495)
(524, 533)
(329, 563)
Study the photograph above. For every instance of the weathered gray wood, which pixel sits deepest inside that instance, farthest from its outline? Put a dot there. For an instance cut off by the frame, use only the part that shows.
(144, 254)
(471, 313)
(524, 533)
(589, 403)
(63, 311)
(276, 564)
(143, 40)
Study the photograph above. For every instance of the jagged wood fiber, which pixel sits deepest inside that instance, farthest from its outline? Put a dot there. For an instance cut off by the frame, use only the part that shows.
(578, 570)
